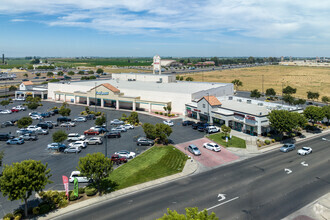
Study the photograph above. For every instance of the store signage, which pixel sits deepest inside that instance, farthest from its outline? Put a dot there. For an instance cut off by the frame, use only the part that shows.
(239, 115)
(196, 110)
(102, 93)
(249, 117)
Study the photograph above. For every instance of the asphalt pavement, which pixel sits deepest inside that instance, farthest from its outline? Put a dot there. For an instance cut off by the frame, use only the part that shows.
(63, 164)
(268, 186)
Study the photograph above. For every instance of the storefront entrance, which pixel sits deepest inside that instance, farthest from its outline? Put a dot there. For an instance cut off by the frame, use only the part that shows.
(238, 126)
(203, 118)
(251, 130)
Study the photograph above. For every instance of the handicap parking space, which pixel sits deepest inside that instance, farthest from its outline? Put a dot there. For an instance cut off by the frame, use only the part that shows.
(208, 158)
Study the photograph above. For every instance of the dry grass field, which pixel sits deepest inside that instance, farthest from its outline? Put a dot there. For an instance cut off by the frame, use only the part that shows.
(305, 79)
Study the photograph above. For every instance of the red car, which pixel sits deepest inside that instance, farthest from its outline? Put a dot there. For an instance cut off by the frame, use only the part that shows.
(117, 159)
(91, 132)
(14, 110)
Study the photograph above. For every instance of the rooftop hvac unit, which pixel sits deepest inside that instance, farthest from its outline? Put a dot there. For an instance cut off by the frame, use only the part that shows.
(239, 100)
(230, 98)
(248, 101)
(260, 113)
(261, 104)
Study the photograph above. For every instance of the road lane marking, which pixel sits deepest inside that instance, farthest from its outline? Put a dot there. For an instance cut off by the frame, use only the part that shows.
(223, 197)
(304, 164)
(288, 171)
(222, 203)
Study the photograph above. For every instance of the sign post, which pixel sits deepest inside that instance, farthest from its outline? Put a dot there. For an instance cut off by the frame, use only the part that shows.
(66, 185)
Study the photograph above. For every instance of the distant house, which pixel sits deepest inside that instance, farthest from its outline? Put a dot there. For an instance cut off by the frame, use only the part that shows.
(28, 88)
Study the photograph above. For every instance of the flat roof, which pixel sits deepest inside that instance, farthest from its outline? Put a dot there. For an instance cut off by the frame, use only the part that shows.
(252, 109)
(174, 87)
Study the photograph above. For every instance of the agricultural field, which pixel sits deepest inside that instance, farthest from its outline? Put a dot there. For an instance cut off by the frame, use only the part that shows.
(119, 62)
(315, 79)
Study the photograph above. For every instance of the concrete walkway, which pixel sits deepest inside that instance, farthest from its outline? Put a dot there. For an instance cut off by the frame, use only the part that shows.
(190, 167)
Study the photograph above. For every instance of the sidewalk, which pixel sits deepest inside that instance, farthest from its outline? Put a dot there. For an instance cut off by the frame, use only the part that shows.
(317, 210)
(190, 167)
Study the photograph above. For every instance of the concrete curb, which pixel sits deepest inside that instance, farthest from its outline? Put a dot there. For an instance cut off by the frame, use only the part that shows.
(190, 167)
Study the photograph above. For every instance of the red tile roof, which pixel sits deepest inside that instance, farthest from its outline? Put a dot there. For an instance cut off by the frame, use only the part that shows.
(212, 100)
(111, 87)
(28, 83)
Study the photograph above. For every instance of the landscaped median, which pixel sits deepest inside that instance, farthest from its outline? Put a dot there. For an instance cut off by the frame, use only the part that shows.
(220, 138)
(157, 162)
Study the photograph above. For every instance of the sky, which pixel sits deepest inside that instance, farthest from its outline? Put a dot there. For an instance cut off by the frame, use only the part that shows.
(180, 28)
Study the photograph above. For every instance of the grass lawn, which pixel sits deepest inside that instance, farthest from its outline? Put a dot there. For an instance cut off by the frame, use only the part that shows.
(234, 142)
(157, 162)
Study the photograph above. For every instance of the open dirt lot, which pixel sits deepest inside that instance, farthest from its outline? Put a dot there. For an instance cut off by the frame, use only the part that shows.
(305, 79)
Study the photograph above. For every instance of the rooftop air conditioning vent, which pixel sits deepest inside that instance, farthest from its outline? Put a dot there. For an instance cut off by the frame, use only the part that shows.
(239, 100)
(261, 104)
(260, 113)
(230, 98)
(248, 101)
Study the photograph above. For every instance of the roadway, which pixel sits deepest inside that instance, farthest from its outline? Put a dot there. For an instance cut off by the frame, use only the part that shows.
(255, 188)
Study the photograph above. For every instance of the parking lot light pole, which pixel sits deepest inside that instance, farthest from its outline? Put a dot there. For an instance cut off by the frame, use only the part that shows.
(95, 99)
(105, 137)
(208, 104)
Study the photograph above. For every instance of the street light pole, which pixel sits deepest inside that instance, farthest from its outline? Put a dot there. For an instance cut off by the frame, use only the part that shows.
(95, 99)
(208, 104)
(105, 137)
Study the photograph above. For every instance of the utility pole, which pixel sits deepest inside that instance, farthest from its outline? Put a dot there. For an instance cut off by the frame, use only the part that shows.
(282, 92)
(105, 136)
(208, 106)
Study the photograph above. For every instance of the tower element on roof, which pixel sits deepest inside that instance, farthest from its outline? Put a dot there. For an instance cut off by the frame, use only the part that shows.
(157, 65)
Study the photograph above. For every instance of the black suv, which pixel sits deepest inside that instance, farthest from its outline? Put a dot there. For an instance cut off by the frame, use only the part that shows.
(113, 134)
(90, 117)
(44, 125)
(5, 137)
(144, 141)
(63, 119)
(185, 123)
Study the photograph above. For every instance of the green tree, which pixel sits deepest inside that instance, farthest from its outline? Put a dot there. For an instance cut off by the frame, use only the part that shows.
(162, 132)
(26, 75)
(54, 80)
(313, 95)
(81, 72)
(270, 92)
(38, 74)
(299, 102)
(288, 99)
(177, 77)
(314, 113)
(64, 110)
(32, 105)
(35, 61)
(298, 119)
(95, 166)
(289, 90)
(20, 180)
(50, 74)
(169, 109)
(71, 73)
(226, 130)
(326, 112)
(99, 71)
(255, 94)
(191, 214)
(325, 99)
(24, 122)
(189, 78)
(12, 88)
(90, 72)
(133, 118)
(4, 102)
(149, 130)
(2, 154)
(100, 120)
(237, 83)
(282, 121)
(60, 73)
(181, 78)
(59, 136)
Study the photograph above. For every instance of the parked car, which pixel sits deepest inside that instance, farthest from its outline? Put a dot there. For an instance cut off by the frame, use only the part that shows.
(41, 132)
(80, 119)
(194, 126)
(14, 109)
(117, 159)
(54, 123)
(7, 124)
(90, 117)
(5, 137)
(144, 141)
(304, 151)
(212, 129)
(29, 137)
(45, 125)
(72, 149)
(23, 131)
(6, 111)
(169, 123)
(16, 141)
(56, 146)
(68, 124)
(212, 146)
(36, 117)
(194, 150)
(126, 153)
(91, 132)
(94, 140)
(75, 137)
(63, 119)
(33, 128)
(45, 114)
(113, 134)
(81, 144)
(128, 126)
(21, 107)
(34, 113)
(187, 122)
(100, 129)
(81, 179)
(116, 122)
(119, 129)
(287, 147)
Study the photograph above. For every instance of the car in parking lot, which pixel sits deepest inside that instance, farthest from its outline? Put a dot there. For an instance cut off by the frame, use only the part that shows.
(118, 159)
(5, 137)
(23, 131)
(20, 107)
(34, 113)
(126, 153)
(81, 179)
(287, 147)
(41, 132)
(80, 119)
(100, 129)
(75, 137)
(63, 119)
(211, 129)
(72, 149)
(54, 123)
(7, 124)
(45, 114)
(128, 126)
(119, 129)
(56, 146)
(14, 109)
(116, 122)
(45, 125)
(36, 117)
(113, 134)
(91, 132)
(6, 111)
(194, 150)
(33, 128)
(304, 151)
(90, 117)
(81, 144)
(15, 141)
(68, 124)
(142, 141)
(169, 123)
(212, 146)
(94, 140)
(187, 122)
(29, 137)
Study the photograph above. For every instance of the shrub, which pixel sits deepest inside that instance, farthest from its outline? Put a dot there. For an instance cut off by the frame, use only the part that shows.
(268, 135)
(81, 190)
(18, 216)
(267, 142)
(8, 216)
(63, 203)
(44, 208)
(273, 140)
(165, 114)
(83, 113)
(30, 209)
(259, 145)
(156, 113)
(36, 210)
(97, 113)
(18, 211)
(90, 191)
(161, 113)
(73, 197)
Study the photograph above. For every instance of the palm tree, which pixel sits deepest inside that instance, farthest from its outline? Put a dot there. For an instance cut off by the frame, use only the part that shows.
(237, 83)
